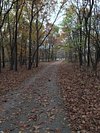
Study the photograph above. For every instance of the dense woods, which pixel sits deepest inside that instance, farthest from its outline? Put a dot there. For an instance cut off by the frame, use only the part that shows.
(27, 34)
(49, 66)
(81, 29)
(24, 27)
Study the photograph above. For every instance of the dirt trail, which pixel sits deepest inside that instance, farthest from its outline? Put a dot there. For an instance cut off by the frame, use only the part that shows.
(35, 107)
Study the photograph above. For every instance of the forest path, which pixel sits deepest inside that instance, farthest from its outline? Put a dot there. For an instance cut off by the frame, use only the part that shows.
(36, 106)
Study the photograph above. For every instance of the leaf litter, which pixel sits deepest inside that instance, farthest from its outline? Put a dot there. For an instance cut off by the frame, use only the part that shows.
(81, 94)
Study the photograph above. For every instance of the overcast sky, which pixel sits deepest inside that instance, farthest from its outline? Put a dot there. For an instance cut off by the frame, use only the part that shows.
(60, 17)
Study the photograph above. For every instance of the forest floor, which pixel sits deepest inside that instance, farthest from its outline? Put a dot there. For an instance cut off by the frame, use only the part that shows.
(33, 104)
(53, 98)
(9, 79)
(81, 95)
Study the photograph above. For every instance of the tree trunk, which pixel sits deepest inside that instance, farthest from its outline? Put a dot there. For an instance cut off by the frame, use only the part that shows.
(37, 40)
(0, 52)
(0, 31)
(15, 41)
(88, 55)
(80, 46)
(30, 38)
(3, 57)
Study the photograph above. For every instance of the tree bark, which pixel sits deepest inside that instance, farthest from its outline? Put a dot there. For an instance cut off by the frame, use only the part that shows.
(15, 39)
(30, 38)
(37, 39)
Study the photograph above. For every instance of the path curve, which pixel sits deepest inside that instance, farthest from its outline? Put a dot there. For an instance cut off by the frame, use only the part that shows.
(36, 106)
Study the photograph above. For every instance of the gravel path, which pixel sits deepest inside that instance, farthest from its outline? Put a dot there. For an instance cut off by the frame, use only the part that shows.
(35, 107)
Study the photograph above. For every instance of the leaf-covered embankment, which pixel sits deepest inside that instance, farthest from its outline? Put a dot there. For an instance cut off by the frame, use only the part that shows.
(81, 94)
